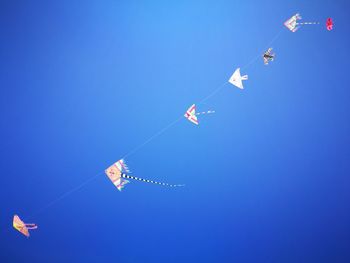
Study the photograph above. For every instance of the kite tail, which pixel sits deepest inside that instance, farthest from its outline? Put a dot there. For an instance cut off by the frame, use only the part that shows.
(308, 23)
(31, 226)
(150, 181)
(205, 112)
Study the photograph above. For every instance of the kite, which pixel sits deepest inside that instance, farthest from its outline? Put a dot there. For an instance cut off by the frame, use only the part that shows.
(268, 56)
(236, 79)
(117, 173)
(23, 227)
(329, 24)
(293, 25)
(191, 114)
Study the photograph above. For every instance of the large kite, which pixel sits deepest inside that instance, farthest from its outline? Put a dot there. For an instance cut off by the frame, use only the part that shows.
(117, 173)
(23, 227)
(236, 79)
(191, 114)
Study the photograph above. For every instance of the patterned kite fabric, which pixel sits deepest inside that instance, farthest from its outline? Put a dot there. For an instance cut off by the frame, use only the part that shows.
(23, 227)
(191, 114)
(291, 23)
(114, 173)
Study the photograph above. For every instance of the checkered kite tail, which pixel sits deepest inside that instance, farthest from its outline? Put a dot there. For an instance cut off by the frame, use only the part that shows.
(126, 176)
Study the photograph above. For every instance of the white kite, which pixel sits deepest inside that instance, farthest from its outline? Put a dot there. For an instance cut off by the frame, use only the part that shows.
(191, 114)
(293, 25)
(236, 79)
(117, 174)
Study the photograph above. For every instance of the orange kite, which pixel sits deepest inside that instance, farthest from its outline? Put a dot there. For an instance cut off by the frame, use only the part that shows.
(22, 227)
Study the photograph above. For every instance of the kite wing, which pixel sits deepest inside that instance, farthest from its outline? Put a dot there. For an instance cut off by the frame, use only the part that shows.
(266, 61)
(115, 173)
(21, 226)
(121, 183)
(292, 24)
(236, 79)
(191, 114)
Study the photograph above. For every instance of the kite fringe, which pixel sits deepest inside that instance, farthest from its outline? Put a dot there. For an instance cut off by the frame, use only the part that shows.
(124, 165)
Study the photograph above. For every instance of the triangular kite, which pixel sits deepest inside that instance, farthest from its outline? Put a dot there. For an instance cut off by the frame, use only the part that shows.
(236, 79)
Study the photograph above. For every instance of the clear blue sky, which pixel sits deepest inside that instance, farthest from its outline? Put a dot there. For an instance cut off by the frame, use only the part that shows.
(85, 82)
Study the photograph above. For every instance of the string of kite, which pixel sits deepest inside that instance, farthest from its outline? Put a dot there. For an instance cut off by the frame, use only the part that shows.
(119, 174)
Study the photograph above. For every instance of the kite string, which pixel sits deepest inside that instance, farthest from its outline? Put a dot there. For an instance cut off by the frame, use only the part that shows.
(244, 67)
(140, 146)
(268, 45)
(136, 149)
(213, 93)
(64, 195)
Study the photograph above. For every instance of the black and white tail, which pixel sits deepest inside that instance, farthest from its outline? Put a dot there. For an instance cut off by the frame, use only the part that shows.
(150, 181)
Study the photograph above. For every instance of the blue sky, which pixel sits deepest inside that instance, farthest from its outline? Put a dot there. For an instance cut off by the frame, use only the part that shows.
(84, 83)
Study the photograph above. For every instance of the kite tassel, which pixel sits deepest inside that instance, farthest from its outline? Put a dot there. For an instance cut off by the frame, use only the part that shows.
(31, 226)
(124, 165)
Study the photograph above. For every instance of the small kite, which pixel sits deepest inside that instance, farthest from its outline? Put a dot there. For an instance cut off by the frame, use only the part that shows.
(293, 25)
(329, 24)
(268, 56)
(23, 227)
(236, 79)
(191, 114)
(117, 174)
